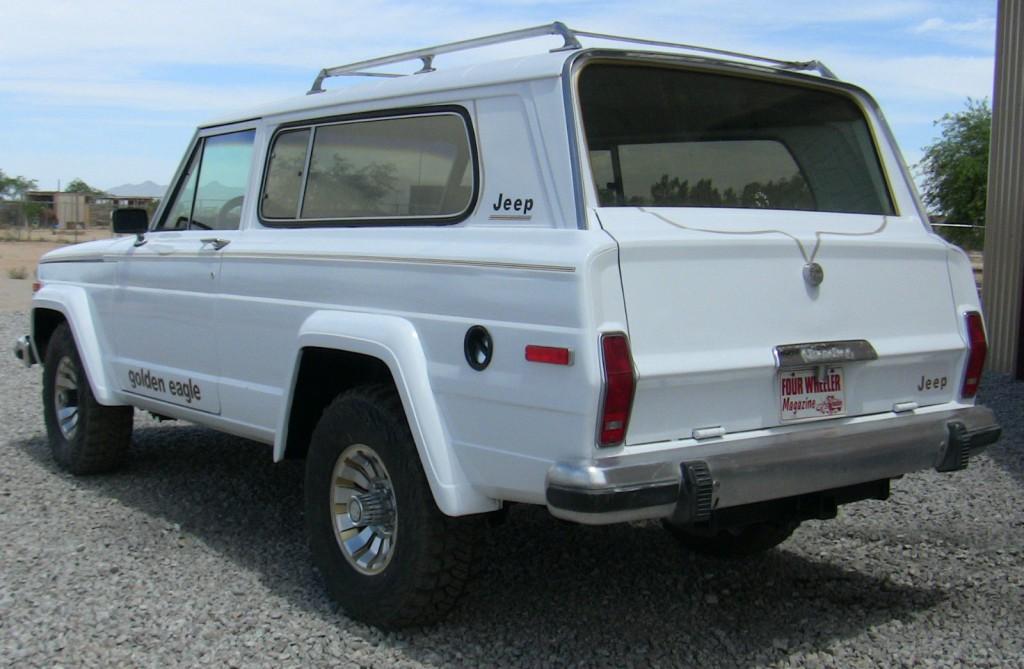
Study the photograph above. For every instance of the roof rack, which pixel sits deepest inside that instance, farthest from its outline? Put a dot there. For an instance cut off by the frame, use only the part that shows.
(571, 42)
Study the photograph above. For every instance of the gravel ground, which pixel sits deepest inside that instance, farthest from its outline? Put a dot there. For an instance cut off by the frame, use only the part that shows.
(195, 555)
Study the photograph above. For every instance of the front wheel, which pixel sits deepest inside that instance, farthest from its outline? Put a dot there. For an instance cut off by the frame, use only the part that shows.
(386, 552)
(737, 542)
(85, 436)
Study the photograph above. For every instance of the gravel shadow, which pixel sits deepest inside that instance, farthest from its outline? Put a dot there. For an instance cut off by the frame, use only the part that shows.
(624, 591)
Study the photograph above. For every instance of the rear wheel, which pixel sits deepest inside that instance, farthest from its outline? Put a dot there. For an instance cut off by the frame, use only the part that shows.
(85, 436)
(737, 542)
(386, 552)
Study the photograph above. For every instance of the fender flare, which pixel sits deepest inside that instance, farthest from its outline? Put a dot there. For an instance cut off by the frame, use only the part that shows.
(394, 341)
(73, 302)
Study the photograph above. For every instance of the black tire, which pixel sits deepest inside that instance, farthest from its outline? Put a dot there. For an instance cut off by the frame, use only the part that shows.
(739, 542)
(99, 440)
(431, 553)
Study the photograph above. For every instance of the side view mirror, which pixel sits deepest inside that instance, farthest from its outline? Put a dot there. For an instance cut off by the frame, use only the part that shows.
(129, 221)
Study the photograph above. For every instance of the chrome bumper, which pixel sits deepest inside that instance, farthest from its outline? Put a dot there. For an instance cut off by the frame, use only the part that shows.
(23, 351)
(692, 480)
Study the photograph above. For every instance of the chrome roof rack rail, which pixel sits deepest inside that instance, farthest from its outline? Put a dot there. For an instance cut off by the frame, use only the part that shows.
(809, 65)
(426, 56)
(571, 42)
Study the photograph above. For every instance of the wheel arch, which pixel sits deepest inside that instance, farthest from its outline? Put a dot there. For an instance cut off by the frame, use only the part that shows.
(56, 304)
(338, 350)
(321, 375)
(44, 323)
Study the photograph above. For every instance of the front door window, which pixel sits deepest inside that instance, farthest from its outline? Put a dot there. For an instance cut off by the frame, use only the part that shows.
(220, 166)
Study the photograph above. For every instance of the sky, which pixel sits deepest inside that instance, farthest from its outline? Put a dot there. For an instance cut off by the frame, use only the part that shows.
(110, 92)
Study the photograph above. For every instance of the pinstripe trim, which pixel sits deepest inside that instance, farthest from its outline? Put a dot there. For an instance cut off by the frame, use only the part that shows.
(402, 260)
(70, 260)
(337, 257)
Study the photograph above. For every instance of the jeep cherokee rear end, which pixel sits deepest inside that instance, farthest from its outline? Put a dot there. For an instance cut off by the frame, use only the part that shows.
(793, 326)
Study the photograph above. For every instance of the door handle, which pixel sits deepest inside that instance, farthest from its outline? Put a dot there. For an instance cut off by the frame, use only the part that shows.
(216, 243)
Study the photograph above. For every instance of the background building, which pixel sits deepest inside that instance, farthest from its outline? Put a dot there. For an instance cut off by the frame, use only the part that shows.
(80, 210)
(1004, 218)
(68, 210)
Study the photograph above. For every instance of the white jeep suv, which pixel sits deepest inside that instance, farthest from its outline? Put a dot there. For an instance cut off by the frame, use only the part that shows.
(647, 281)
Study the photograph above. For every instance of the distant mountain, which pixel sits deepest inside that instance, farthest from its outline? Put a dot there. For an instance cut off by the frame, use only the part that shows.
(216, 191)
(144, 189)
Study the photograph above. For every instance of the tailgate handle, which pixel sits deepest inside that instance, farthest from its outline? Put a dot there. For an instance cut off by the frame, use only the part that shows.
(817, 353)
(708, 432)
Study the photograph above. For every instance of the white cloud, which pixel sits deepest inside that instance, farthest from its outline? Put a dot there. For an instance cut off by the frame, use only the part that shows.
(934, 24)
(920, 78)
(978, 33)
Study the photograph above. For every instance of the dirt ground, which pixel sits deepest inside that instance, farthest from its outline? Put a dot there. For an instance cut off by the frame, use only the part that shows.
(16, 294)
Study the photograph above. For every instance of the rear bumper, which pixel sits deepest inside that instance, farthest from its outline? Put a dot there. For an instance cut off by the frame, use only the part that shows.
(688, 482)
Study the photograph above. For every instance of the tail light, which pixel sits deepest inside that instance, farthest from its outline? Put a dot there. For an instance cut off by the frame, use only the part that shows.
(619, 384)
(977, 349)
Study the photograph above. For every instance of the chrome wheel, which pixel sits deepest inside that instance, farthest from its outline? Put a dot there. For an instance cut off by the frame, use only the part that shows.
(364, 513)
(65, 397)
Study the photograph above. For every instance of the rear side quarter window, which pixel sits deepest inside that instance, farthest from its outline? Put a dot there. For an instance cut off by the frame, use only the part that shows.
(417, 168)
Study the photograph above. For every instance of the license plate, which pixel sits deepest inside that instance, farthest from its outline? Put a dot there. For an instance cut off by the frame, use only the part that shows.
(803, 395)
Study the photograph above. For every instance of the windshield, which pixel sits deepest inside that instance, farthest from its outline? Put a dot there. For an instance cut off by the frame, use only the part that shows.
(660, 136)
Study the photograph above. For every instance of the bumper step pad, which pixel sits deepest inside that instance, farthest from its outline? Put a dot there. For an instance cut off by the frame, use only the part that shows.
(963, 443)
(695, 493)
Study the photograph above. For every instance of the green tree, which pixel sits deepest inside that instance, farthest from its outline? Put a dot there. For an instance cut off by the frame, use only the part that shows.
(13, 188)
(33, 212)
(79, 186)
(955, 170)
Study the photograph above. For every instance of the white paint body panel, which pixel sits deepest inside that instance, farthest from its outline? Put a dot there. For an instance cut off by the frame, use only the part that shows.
(162, 319)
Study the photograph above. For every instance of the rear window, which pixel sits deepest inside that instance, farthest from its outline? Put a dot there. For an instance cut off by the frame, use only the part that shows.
(370, 170)
(675, 138)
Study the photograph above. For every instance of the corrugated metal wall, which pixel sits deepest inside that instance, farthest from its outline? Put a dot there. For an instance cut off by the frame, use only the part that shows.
(1004, 219)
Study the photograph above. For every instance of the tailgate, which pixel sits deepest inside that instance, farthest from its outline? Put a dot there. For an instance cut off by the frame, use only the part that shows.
(710, 293)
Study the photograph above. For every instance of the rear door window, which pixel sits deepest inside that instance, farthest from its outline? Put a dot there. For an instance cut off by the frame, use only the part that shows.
(676, 138)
